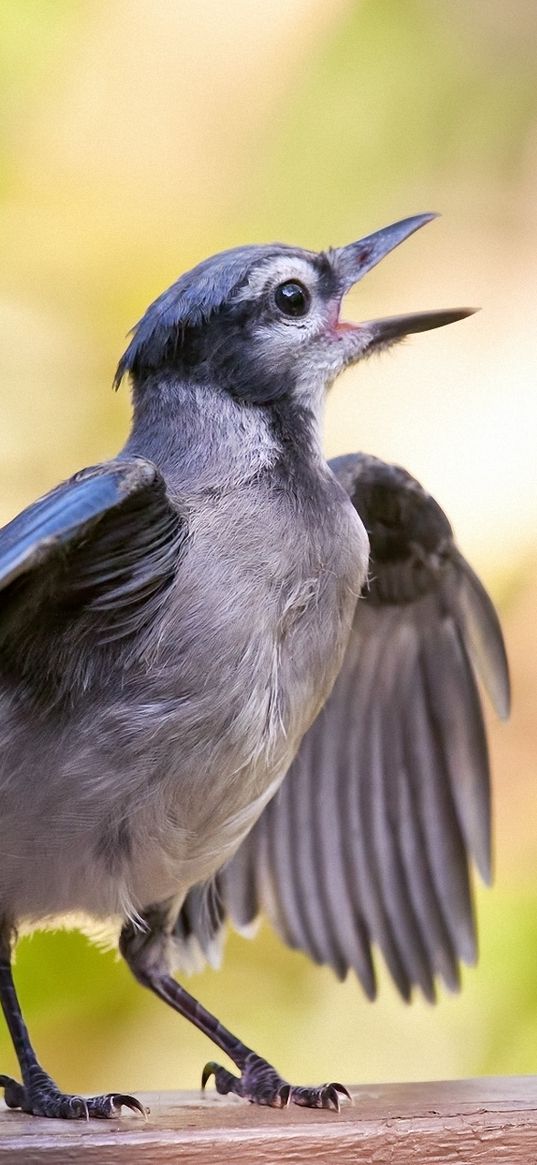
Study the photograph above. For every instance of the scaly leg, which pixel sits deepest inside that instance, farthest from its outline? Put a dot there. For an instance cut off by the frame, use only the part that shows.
(258, 1082)
(38, 1094)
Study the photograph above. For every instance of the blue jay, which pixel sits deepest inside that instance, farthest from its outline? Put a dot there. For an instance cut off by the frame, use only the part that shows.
(237, 679)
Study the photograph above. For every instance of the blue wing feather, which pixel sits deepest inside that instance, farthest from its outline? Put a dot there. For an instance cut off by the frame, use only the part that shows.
(55, 519)
(89, 562)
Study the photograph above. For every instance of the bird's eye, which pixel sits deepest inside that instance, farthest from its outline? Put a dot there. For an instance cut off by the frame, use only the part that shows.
(292, 298)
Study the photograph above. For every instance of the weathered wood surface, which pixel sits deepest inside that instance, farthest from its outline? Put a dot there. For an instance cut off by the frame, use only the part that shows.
(463, 1122)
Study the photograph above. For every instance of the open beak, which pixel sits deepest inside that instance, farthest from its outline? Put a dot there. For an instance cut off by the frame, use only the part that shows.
(355, 260)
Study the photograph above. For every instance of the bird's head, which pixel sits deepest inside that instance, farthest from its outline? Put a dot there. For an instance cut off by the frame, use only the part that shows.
(263, 322)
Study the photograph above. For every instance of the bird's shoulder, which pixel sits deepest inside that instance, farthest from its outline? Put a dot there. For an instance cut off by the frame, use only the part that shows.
(84, 572)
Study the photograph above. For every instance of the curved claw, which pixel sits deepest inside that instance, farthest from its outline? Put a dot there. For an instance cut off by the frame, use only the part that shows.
(330, 1096)
(120, 1099)
(209, 1070)
(325, 1096)
(14, 1093)
(331, 1099)
(344, 1091)
(225, 1081)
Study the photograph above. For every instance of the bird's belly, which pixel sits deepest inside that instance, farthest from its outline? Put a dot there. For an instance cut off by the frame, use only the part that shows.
(251, 733)
(164, 814)
(154, 790)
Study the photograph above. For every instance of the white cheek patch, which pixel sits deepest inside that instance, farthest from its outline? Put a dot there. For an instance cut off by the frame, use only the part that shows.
(319, 368)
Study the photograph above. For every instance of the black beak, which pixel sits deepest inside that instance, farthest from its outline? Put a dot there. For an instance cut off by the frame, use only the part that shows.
(355, 260)
(391, 328)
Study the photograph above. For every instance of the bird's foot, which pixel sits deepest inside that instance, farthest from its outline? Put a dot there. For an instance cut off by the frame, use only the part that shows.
(260, 1084)
(43, 1098)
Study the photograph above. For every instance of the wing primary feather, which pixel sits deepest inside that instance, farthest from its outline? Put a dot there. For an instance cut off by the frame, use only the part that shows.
(445, 847)
(341, 901)
(481, 629)
(300, 799)
(267, 880)
(360, 854)
(414, 857)
(341, 934)
(290, 854)
(337, 729)
(457, 721)
(353, 856)
(384, 769)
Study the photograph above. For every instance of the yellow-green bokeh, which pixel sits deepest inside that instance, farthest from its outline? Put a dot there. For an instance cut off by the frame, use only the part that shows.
(136, 138)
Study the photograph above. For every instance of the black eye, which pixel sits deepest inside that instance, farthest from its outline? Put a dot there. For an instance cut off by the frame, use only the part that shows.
(292, 298)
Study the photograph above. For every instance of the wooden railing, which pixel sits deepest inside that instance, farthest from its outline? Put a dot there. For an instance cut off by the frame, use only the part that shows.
(462, 1122)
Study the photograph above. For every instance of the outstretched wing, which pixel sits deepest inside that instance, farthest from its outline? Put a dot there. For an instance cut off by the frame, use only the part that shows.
(87, 563)
(368, 840)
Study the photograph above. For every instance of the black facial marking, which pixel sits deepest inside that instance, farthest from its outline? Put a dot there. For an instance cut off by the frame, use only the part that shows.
(226, 353)
(200, 329)
(190, 304)
(328, 284)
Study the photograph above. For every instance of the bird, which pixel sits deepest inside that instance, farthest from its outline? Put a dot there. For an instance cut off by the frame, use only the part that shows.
(237, 679)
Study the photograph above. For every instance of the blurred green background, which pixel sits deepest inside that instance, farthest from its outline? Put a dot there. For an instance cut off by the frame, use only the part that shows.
(137, 138)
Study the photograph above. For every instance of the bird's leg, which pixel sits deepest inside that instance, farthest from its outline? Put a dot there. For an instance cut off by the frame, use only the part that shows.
(38, 1094)
(258, 1082)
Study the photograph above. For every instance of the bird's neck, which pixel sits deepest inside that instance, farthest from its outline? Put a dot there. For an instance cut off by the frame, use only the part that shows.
(201, 436)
